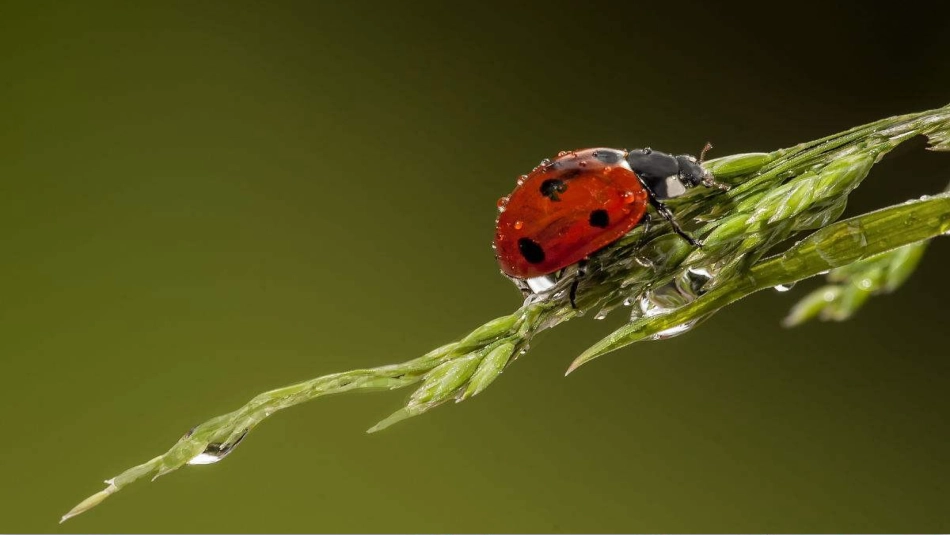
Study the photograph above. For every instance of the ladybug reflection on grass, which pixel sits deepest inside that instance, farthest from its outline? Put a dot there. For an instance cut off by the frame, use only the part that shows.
(568, 208)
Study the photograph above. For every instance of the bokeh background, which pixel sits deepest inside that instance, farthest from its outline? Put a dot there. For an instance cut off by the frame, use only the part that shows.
(203, 200)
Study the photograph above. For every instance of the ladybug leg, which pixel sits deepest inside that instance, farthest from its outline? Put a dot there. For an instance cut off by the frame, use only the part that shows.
(668, 215)
(646, 222)
(581, 272)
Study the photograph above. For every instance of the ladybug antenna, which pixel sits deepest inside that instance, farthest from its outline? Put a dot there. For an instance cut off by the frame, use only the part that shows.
(702, 153)
(708, 180)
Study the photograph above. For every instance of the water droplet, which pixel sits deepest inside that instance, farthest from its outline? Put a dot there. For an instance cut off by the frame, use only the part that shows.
(518, 225)
(684, 289)
(541, 284)
(674, 331)
(846, 245)
(562, 153)
(628, 197)
(502, 204)
(659, 301)
(214, 452)
(784, 287)
(521, 179)
(606, 310)
(582, 163)
(692, 282)
(865, 283)
(644, 262)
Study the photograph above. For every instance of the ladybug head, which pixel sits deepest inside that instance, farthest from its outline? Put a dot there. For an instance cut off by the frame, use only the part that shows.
(691, 173)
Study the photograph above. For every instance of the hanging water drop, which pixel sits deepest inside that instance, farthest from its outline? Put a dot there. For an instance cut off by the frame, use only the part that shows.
(214, 452)
(675, 331)
(784, 287)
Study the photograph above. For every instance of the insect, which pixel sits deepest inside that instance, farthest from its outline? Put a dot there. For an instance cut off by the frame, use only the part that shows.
(574, 205)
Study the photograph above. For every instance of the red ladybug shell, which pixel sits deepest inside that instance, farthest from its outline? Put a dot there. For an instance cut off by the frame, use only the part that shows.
(567, 209)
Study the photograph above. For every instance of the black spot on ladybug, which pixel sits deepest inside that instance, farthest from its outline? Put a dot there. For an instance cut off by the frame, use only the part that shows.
(552, 187)
(530, 250)
(608, 157)
(599, 219)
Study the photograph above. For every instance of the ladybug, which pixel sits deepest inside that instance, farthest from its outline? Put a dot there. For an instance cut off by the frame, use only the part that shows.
(574, 205)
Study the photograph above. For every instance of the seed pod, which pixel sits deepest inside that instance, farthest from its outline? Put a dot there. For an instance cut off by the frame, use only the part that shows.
(442, 382)
(489, 369)
(738, 164)
(488, 332)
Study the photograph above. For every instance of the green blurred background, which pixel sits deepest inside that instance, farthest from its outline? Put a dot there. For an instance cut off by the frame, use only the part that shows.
(203, 200)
